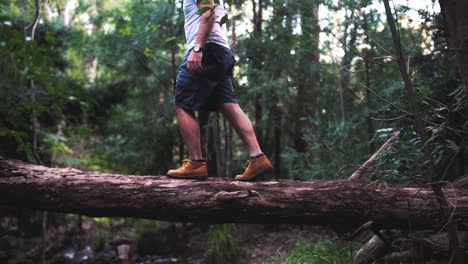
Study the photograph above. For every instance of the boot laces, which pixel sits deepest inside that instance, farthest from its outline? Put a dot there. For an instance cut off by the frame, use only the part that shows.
(185, 163)
(248, 163)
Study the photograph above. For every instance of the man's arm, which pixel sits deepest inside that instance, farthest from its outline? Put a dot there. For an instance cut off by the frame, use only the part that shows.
(204, 31)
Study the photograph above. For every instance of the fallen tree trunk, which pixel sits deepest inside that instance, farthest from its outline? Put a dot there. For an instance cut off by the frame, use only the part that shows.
(372, 251)
(341, 204)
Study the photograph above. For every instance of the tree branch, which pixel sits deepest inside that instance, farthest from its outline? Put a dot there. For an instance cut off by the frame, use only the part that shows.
(360, 171)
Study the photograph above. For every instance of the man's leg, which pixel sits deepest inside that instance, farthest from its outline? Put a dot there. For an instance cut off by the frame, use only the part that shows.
(195, 167)
(242, 125)
(190, 131)
(258, 162)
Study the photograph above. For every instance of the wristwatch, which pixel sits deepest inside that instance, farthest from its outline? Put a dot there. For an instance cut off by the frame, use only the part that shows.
(197, 48)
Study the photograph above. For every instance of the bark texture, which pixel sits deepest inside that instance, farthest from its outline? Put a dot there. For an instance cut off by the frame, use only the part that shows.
(340, 204)
(456, 20)
(373, 250)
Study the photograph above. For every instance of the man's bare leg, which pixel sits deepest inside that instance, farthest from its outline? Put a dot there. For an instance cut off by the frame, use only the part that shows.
(190, 131)
(242, 125)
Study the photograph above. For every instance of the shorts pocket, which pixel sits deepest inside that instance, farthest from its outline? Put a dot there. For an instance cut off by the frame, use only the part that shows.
(186, 88)
(225, 61)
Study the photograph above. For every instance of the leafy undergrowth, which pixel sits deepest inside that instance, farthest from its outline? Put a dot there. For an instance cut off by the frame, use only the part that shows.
(222, 246)
(320, 251)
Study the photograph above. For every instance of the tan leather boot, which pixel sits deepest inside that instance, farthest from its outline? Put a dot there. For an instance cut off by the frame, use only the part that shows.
(255, 167)
(190, 170)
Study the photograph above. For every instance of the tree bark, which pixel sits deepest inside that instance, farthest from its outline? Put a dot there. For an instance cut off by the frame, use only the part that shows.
(456, 21)
(340, 204)
(372, 251)
(207, 122)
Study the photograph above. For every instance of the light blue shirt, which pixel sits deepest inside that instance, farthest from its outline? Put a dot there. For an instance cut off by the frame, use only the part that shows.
(192, 23)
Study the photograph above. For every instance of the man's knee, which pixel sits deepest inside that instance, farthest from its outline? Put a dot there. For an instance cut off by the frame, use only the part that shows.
(181, 110)
(230, 108)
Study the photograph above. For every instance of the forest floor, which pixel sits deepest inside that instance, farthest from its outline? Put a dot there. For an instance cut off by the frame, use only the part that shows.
(267, 243)
(117, 240)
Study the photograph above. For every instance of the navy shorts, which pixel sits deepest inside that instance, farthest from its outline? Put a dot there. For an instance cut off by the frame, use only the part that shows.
(206, 90)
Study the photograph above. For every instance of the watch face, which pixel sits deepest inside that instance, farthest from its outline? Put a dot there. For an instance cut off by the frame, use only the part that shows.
(196, 48)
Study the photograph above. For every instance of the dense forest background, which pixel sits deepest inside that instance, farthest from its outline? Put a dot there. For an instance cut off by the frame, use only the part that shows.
(89, 83)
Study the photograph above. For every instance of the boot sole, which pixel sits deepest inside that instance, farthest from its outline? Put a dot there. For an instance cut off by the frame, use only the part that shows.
(258, 175)
(190, 177)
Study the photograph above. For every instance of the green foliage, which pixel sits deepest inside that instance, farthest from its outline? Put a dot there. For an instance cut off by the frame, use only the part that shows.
(143, 224)
(321, 251)
(100, 240)
(104, 84)
(138, 132)
(34, 86)
(104, 88)
(222, 246)
(299, 167)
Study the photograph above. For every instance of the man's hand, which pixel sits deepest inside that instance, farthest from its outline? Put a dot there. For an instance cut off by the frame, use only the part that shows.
(194, 62)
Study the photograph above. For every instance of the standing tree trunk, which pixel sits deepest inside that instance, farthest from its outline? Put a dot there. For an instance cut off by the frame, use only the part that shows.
(228, 147)
(349, 38)
(277, 150)
(91, 65)
(309, 77)
(64, 10)
(217, 145)
(207, 142)
(369, 123)
(257, 64)
(47, 10)
(456, 21)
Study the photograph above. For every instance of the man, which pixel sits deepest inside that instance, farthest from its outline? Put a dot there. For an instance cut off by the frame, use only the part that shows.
(205, 84)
